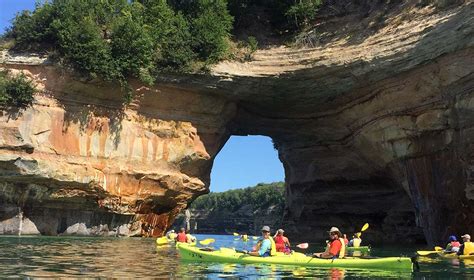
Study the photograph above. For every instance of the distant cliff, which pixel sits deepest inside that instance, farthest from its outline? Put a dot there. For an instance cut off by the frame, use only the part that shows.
(242, 210)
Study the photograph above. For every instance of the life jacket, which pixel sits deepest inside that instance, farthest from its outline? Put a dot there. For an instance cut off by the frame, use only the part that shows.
(468, 248)
(181, 237)
(273, 250)
(280, 243)
(342, 252)
(356, 242)
(455, 244)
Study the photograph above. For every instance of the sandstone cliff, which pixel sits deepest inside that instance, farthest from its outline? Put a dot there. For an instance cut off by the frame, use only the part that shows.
(373, 124)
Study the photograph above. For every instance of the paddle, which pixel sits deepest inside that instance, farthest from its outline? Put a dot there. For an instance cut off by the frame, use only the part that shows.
(207, 241)
(426, 253)
(302, 245)
(236, 234)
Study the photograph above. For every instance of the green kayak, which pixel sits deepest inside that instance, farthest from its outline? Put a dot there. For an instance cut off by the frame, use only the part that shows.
(361, 249)
(228, 255)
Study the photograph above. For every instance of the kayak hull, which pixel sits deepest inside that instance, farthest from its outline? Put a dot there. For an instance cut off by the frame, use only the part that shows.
(226, 255)
(361, 249)
(455, 256)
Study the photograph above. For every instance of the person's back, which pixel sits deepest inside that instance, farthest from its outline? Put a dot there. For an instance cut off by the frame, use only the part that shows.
(181, 237)
(280, 243)
(467, 248)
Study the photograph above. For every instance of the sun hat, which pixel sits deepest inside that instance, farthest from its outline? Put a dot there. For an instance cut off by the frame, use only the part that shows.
(466, 236)
(266, 228)
(452, 238)
(334, 229)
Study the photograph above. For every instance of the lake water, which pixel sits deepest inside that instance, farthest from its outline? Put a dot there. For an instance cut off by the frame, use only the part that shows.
(81, 257)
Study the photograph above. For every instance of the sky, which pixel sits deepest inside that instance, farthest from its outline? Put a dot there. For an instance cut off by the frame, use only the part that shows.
(9, 8)
(244, 161)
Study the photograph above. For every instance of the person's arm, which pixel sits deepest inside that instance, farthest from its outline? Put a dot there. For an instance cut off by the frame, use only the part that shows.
(266, 244)
(287, 242)
(461, 250)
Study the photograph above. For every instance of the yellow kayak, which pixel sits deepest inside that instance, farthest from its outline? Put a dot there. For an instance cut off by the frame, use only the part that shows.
(455, 256)
(229, 255)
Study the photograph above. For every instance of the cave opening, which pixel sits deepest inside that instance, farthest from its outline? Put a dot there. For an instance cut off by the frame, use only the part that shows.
(246, 190)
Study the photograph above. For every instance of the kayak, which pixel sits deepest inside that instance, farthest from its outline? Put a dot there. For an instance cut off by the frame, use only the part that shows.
(455, 256)
(228, 255)
(162, 241)
(361, 249)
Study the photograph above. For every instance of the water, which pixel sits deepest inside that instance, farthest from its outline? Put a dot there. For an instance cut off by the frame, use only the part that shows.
(25, 256)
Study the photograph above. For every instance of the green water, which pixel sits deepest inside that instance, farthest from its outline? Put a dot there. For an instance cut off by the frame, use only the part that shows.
(139, 257)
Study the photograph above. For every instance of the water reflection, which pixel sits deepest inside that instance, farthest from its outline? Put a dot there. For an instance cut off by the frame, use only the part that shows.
(136, 257)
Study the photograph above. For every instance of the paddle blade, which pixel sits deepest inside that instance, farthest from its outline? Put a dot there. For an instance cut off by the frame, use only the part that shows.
(236, 234)
(425, 253)
(365, 227)
(302, 246)
(437, 248)
(207, 241)
(255, 237)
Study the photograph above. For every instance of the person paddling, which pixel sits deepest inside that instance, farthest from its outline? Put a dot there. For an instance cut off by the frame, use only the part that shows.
(181, 237)
(467, 248)
(266, 246)
(453, 245)
(281, 242)
(336, 246)
(355, 241)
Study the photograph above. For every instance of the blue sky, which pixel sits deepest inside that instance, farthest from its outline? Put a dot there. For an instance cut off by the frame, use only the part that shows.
(244, 161)
(9, 8)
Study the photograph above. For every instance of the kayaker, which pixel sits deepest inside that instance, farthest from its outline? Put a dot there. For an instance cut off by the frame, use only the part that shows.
(281, 242)
(453, 245)
(346, 241)
(181, 237)
(190, 238)
(467, 248)
(266, 246)
(355, 241)
(336, 246)
(171, 235)
(244, 237)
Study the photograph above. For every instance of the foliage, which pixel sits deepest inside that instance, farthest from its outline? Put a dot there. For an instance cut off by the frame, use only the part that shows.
(15, 91)
(303, 11)
(259, 197)
(118, 39)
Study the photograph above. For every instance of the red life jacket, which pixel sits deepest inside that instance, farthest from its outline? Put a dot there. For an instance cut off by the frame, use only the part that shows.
(280, 243)
(181, 237)
(455, 244)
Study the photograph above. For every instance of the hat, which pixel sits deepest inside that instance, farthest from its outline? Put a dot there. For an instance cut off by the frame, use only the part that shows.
(281, 231)
(266, 228)
(466, 236)
(452, 238)
(172, 231)
(335, 229)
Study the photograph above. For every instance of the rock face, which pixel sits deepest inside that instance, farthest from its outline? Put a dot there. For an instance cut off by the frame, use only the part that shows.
(372, 125)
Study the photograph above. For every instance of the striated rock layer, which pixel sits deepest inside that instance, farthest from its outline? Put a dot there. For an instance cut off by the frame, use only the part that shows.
(373, 125)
